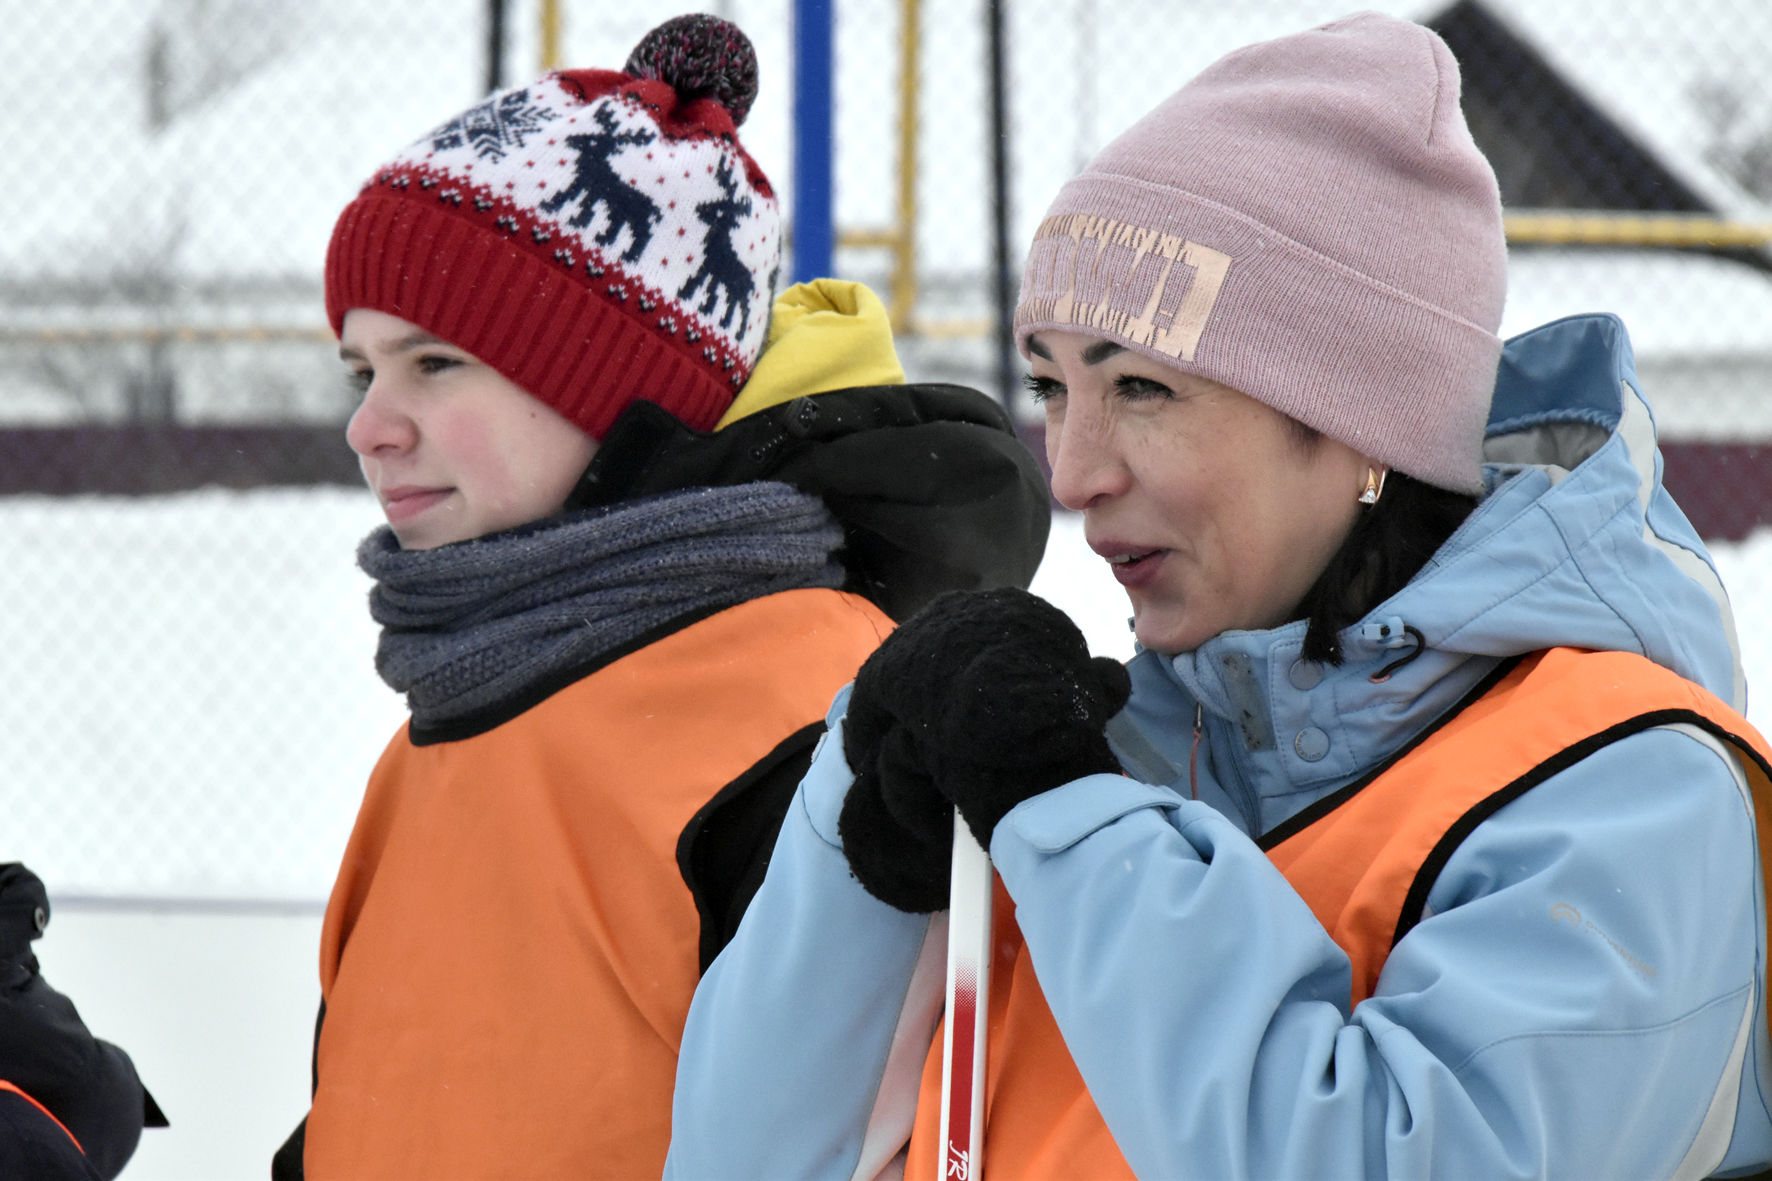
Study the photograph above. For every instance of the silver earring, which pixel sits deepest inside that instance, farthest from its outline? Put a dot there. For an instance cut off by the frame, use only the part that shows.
(1374, 486)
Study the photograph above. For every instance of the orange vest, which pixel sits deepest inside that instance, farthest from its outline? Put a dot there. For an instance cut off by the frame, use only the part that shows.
(1363, 859)
(509, 952)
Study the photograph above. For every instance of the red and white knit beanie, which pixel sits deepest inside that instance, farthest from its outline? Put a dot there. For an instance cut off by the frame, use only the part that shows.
(596, 237)
(1309, 222)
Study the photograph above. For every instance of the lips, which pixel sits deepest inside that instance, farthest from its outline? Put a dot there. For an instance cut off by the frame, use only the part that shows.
(407, 501)
(1132, 565)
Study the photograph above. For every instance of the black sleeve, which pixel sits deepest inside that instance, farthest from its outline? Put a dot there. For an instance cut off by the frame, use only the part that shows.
(724, 849)
(32, 1146)
(46, 1050)
(288, 1163)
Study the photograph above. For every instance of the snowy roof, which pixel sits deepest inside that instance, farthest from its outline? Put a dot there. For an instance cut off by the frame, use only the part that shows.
(1644, 64)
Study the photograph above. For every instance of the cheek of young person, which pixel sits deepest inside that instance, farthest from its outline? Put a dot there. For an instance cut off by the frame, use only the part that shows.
(1216, 512)
(451, 448)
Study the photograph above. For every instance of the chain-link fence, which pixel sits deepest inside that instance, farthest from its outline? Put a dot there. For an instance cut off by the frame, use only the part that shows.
(188, 706)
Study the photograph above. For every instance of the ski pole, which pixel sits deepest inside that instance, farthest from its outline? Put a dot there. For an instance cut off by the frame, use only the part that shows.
(968, 1005)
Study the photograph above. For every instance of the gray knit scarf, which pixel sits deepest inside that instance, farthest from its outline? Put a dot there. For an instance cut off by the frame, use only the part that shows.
(475, 625)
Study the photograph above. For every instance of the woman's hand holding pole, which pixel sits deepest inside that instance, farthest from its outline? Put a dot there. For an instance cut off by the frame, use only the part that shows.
(978, 702)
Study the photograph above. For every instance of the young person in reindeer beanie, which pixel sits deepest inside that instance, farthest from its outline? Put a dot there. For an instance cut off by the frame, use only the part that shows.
(1381, 857)
(644, 519)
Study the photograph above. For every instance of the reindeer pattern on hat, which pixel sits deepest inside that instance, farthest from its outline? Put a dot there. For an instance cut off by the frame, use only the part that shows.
(596, 181)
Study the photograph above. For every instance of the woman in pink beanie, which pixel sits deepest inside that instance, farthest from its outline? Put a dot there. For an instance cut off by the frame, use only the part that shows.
(644, 518)
(1421, 837)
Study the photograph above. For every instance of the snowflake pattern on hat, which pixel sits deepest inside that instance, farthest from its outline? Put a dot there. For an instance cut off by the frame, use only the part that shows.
(495, 125)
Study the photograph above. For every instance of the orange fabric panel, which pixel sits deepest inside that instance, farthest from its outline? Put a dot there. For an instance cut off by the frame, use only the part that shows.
(49, 1115)
(1039, 1119)
(1354, 867)
(509, 952)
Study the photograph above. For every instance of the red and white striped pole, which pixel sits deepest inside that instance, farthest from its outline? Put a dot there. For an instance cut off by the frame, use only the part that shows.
(968, 1006)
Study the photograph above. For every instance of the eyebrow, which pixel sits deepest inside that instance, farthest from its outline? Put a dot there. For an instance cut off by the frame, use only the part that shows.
(1095, 354)
(411, 340)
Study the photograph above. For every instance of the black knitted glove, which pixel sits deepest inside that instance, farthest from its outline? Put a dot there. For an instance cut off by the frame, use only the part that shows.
(979, 701)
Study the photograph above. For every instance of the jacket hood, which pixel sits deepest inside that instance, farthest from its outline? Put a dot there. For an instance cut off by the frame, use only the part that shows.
(825, 335)
(1579, 543)
(932, 486)
(1576, 542)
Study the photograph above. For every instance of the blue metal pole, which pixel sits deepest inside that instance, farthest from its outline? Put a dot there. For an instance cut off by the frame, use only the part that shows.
(1001, 259)
(814, 236)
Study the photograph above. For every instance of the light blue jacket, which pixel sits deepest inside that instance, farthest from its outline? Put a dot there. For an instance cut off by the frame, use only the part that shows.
(1205, 1006)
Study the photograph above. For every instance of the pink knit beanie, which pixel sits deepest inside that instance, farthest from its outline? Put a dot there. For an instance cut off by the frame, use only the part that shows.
(1309, 222)
(594, 236)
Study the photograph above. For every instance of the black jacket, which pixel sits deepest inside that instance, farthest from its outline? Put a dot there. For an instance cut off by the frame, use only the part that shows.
(935, 492)
(46, 1052)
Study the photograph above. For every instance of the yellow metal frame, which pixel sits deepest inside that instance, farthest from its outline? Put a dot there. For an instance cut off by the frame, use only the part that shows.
(1564, 227)
(552, 22)
(901, 237)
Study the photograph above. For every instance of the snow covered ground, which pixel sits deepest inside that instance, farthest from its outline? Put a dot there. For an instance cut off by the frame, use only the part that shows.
(189, 717)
